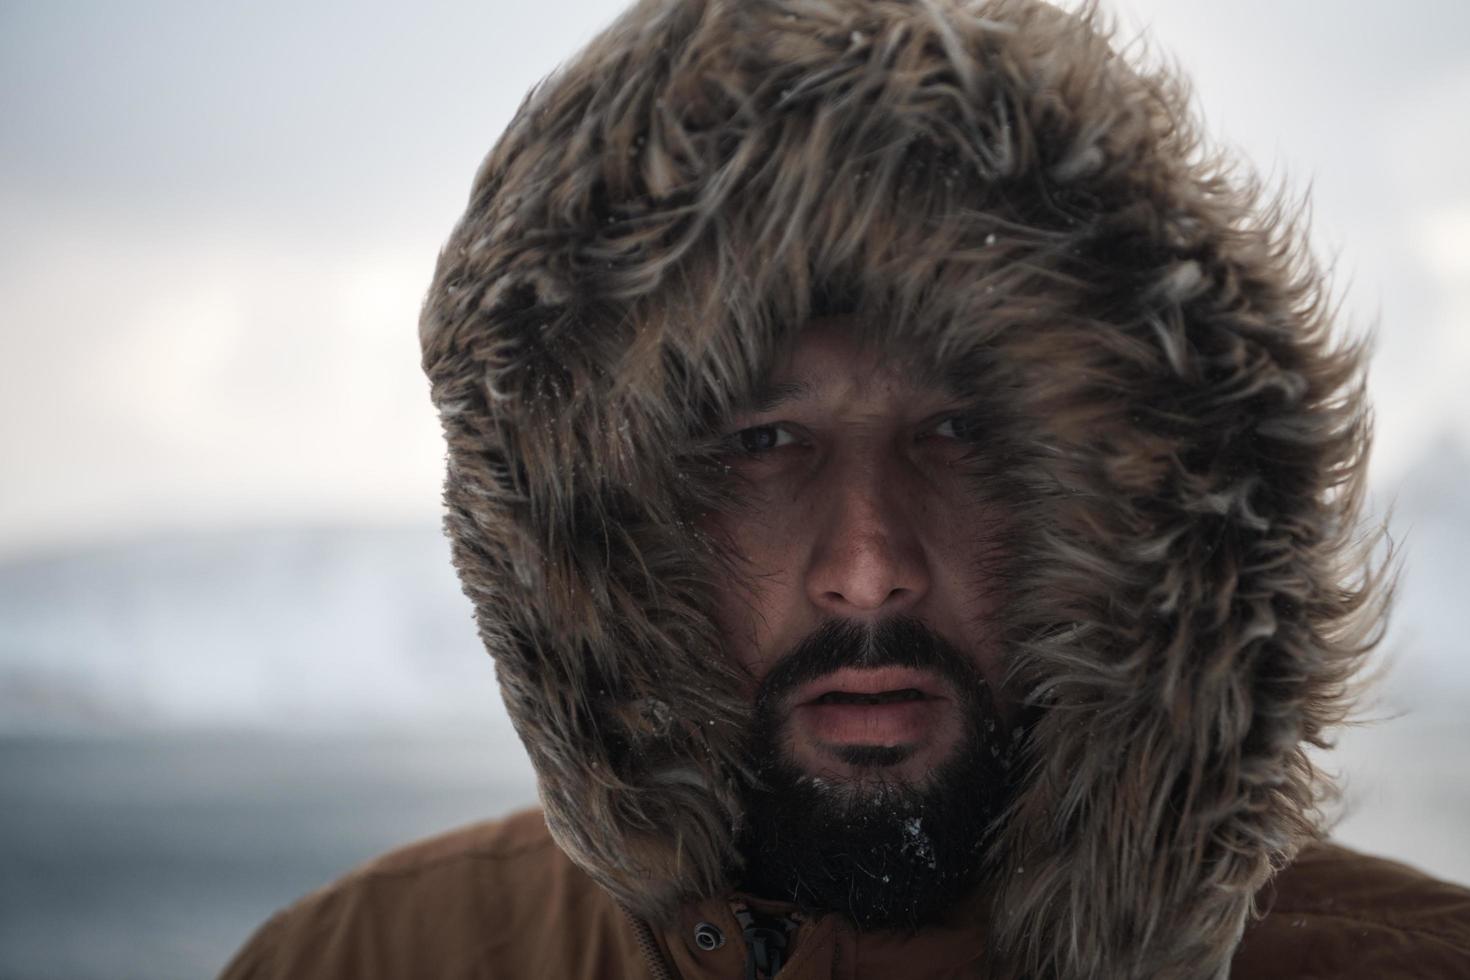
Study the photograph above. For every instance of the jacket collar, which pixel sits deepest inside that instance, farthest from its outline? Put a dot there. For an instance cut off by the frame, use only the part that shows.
(708, 942)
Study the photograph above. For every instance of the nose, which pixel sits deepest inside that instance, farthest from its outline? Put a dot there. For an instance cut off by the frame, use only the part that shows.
(868, 560)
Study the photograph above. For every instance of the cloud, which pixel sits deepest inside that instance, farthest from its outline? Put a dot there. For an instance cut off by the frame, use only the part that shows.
(194, 378)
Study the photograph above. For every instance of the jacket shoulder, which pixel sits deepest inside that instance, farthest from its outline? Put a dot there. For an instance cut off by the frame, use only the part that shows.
(492, 899)
(1337, 913)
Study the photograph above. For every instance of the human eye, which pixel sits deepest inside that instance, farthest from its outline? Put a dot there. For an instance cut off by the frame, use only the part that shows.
(757, 440)
(956, 427)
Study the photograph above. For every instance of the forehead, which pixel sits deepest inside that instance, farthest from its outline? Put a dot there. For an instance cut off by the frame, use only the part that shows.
(829, 362)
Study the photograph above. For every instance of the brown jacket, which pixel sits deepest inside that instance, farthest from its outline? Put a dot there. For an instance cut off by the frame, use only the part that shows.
(500, 900)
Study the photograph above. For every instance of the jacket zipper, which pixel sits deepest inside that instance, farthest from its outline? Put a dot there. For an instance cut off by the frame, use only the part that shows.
(648, 945)
(766, 938)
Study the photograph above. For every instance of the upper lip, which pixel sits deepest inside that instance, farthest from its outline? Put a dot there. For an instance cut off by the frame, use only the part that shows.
(872, 680)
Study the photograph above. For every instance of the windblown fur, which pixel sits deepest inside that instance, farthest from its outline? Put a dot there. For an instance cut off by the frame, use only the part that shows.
(995, 191)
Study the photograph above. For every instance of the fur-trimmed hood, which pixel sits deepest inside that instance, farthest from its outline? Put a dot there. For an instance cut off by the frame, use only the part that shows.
(992, 186)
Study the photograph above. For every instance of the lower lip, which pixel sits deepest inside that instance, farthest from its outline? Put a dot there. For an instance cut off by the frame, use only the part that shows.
(894, 723)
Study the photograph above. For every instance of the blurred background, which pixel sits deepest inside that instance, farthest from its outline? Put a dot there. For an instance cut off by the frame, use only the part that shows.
(234, 659)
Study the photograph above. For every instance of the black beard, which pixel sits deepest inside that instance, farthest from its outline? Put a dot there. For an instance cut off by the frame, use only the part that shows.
(886, 853)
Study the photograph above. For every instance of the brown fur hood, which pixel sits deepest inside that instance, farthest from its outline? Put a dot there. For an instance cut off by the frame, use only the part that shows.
(993, 187)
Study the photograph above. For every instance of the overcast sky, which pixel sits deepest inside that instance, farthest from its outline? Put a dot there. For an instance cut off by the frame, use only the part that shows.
(219, 221)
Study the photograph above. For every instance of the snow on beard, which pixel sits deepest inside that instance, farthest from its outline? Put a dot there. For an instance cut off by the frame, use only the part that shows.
(884, 852)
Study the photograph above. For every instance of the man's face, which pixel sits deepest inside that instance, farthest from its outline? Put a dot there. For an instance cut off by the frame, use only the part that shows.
(866, 620)
(855, 509)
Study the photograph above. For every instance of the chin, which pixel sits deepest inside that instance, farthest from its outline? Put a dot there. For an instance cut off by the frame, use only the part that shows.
(892, 843)
(881, 769)
(873, 765)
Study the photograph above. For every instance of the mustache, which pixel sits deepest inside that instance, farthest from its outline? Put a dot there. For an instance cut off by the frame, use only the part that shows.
(902, 641)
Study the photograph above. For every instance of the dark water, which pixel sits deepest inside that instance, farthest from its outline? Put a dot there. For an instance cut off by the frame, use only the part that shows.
(155, 857)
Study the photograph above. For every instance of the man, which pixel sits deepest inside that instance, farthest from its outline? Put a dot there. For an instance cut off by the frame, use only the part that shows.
(910, 493)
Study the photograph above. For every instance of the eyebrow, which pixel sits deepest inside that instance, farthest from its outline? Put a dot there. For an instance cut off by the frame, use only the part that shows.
(770, 395)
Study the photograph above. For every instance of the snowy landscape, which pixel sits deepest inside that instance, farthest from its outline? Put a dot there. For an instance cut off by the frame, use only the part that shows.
(331, 629)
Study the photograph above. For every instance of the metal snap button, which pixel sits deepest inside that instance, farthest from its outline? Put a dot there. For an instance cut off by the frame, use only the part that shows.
(708, 937)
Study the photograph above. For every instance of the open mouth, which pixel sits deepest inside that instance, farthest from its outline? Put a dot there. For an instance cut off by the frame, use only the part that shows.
(871, 686)
(883, 697)
(884, 706)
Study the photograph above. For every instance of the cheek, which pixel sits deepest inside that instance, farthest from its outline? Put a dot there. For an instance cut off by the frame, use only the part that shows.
(971, 576)
(753, 606)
